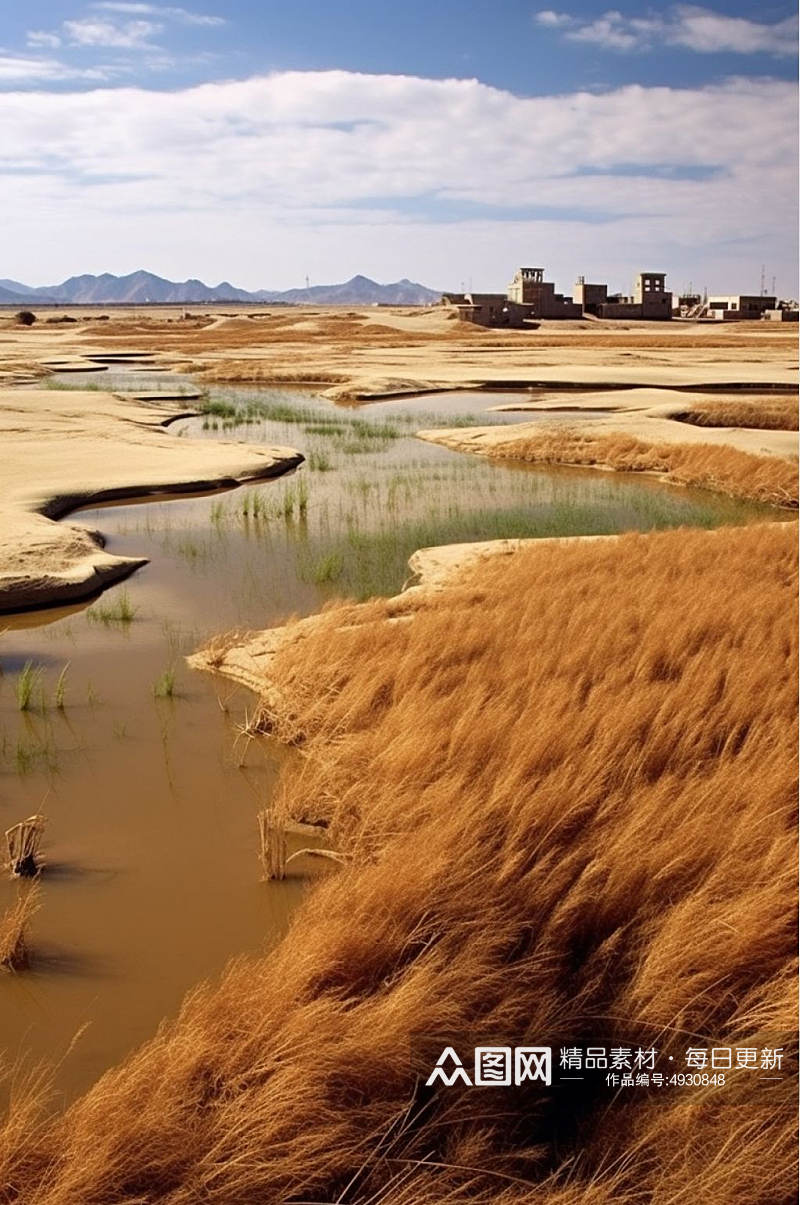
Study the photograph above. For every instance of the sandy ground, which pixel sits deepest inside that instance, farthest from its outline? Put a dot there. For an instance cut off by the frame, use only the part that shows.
(66, 449)
(247, 659)
(650, 425)
(377, 352)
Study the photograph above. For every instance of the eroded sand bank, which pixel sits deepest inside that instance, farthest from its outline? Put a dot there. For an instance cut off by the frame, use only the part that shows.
(247, 658)
(63, 449)
(651, 425)
(369, 353)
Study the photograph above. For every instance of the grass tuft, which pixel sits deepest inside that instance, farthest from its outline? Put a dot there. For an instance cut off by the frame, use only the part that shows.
(164, 686)
(120, 611)
(29, 687)
(14, 926)
(61, 688)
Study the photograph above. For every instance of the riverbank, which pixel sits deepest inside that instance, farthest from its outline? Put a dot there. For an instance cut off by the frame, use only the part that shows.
(754, 465)
(66, 449)
(552, 769)
(522, 870)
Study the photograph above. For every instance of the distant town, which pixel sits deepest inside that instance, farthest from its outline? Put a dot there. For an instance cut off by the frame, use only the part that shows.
(530, 298)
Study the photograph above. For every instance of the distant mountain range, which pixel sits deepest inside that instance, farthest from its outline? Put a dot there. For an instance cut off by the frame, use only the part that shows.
(142, 287)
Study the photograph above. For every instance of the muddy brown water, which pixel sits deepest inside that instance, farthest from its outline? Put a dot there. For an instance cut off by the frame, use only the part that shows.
(152, 879)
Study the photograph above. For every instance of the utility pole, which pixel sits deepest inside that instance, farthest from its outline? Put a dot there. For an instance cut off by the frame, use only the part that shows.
(763, 284)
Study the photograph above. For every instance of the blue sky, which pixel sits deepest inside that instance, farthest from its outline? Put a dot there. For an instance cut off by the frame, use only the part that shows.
(446, 141)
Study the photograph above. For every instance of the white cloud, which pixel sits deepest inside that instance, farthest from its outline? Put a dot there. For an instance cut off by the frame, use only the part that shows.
(263, 179)
(547, 17)
(19, 69)
(688, 26)
(40, 39)
(125, 26)
(172, 12)
(128, 35)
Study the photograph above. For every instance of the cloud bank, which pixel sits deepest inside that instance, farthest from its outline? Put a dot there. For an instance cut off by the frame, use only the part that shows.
(331, 172)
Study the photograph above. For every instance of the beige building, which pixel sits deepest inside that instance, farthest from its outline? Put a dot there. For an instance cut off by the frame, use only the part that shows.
(651, 300)
(529, 288)
(489, 309)
(531, 298)
(726, 308)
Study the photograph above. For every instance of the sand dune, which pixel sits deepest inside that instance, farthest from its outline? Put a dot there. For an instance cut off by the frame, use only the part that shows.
(65, 449)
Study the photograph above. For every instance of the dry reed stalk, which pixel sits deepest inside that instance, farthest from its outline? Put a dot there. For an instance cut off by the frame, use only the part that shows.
(272, 845)
(272, 831)
(767, 479)
(22, 845)
(13, 930)
(330, 854)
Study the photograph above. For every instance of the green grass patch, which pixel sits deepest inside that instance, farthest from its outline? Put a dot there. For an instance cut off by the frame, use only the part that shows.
(120, 611)
(164, 685)
(30, 687)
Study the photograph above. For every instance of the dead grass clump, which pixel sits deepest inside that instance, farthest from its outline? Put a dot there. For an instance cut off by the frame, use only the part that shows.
(217, 648)
(14, 929)
(23, 842)
(255, 372)
(567, 790)
(770, 413)
(767, 479)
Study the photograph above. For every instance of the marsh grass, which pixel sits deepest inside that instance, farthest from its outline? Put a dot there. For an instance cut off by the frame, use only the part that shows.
(59, 696)
(768, 479)
(14, 929)
(769, 413)
(120, 611)
(75, 386)
(328, 568)
(348, 434)
(34, 749)
(369, 554)
(219, 513)
(164, 685)
(566, 786)
(30, 687)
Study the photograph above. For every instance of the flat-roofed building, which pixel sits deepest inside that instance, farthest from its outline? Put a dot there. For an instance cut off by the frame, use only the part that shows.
(589, 297)
(489, 309)
(651, 301)
(728, 307)
(529, 288)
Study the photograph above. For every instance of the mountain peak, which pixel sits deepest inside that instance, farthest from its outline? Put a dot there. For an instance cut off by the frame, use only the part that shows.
(143, 287)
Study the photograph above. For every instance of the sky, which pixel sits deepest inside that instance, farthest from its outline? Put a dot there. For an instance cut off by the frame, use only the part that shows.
(449, 142)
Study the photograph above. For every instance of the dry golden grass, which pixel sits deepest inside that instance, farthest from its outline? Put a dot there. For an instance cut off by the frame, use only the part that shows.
(566, 786)
(317, 328)
(769, 413)
(14, 925)
(710, 466)
(256, 372)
